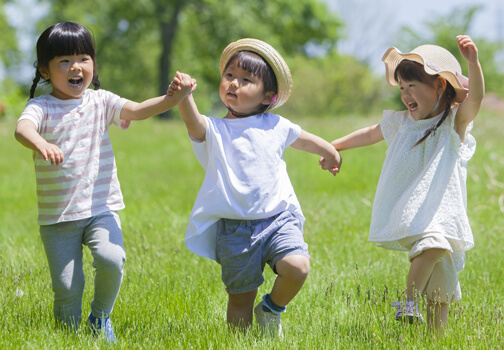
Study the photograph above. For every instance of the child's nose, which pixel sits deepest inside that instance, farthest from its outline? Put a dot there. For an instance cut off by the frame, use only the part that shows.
(75, 66)
(234, 83)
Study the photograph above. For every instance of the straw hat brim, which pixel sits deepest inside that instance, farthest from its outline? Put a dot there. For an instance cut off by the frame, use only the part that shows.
(444, 65)
(274, 59)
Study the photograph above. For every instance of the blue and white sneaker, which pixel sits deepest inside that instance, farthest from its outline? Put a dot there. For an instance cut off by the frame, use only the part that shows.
(101, 326)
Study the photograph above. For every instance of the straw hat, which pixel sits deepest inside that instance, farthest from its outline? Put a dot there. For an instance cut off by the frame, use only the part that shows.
(277, 63)
(436, 60)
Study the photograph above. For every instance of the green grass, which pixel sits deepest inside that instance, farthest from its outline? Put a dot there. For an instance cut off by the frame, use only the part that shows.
(173, 299)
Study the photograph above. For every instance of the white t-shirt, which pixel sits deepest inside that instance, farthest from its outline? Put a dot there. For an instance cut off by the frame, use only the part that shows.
(86, 183)
(423, 188)
(246, 175)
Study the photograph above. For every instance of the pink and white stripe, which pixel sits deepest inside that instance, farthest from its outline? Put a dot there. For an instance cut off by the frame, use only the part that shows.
(86, 183)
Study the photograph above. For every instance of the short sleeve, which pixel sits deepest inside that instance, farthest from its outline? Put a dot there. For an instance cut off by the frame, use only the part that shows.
(200, 148)
(114, 105)
(34, 112)
(467, 148)
(294, 131)
(390, 124)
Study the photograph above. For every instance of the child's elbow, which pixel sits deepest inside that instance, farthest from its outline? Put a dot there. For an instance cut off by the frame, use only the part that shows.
(18, 133)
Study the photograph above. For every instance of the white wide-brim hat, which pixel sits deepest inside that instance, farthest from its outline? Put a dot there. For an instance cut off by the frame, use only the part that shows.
(266, 51)
(435, 60)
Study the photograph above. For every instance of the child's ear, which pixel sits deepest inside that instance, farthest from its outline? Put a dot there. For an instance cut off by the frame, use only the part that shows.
(268, 97)
(441, 84)
(44, 72)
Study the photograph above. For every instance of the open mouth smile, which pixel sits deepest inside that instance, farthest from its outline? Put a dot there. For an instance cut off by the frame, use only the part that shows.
(412, 106)
(75, 82)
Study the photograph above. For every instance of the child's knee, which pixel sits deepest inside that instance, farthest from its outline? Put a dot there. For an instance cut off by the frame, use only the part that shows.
(294, 267)
(111, 260)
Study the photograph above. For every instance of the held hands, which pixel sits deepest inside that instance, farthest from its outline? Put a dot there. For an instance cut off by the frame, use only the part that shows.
(182, 83)
(467, 48)
(332, 163)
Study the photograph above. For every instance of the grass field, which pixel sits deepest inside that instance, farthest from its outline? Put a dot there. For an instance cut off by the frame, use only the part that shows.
(173, 299)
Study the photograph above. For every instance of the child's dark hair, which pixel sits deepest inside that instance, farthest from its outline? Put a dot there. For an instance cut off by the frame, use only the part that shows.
(255, 64)
(410, 70)
(63, 39)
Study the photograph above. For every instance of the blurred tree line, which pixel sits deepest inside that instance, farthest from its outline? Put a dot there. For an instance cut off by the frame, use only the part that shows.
(141, 44)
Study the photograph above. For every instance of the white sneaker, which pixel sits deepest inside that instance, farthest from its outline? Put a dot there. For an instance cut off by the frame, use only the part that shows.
(268, 322)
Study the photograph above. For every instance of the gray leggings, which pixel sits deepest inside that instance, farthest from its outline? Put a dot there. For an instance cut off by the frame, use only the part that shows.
(63, 246)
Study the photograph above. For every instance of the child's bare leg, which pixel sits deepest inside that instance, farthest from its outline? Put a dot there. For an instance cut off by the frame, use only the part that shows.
(292, 272)
(437, 316)
(240, 307)
(421, 269)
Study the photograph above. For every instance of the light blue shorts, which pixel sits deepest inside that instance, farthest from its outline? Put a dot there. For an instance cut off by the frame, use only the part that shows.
(245, 246)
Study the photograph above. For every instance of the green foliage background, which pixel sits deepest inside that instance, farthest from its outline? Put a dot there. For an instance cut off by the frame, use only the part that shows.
(129, 38)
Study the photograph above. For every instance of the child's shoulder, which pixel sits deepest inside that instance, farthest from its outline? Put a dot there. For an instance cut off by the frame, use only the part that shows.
(395, 116)
(40, 99)
(394, 113)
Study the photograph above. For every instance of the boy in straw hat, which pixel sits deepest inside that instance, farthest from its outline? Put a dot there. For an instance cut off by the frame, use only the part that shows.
(246, 213)
(420, 202)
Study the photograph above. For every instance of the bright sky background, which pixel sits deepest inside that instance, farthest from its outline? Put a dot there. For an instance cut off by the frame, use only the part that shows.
(371, 26)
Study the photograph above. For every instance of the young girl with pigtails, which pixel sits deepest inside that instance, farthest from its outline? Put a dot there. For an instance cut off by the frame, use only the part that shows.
(421, 203)
(77, 186)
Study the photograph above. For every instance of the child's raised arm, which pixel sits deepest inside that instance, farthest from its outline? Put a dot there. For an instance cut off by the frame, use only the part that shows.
(471, 105)
(194, 121)
(311, 143)
(157, 105)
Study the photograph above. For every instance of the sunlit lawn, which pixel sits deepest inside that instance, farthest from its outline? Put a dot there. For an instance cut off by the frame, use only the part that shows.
(174, 299)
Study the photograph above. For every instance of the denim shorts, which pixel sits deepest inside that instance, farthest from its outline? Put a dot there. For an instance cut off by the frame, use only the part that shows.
(245, 246)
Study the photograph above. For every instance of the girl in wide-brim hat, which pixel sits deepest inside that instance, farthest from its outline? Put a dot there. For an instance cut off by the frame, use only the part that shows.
(420, 202)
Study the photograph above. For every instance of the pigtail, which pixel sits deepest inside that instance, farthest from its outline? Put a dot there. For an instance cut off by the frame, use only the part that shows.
(35, 82)
(450, 95)
(96, 81)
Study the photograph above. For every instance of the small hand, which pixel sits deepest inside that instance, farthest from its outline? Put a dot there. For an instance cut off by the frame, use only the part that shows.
(174, 87)
(467, 48)
(181, 81)
(333, 168)
(51, 152)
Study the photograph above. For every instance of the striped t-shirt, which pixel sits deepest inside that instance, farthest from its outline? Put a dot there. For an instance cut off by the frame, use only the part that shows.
(85, 184)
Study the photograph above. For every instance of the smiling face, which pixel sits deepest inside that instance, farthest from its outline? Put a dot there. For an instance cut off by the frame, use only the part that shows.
(69, 75)
(420, 91)
(420, 99)
(242, 91)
